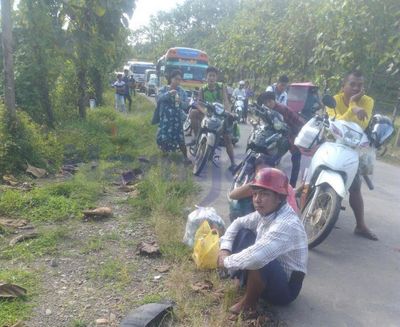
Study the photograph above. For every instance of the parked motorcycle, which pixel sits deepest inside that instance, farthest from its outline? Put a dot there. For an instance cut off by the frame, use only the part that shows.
(187, 125)
(337, 145)
(210, 136)
(269, 136)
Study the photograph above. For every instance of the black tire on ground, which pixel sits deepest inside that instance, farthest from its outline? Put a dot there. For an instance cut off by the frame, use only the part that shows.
(203, 153)
(327, 205)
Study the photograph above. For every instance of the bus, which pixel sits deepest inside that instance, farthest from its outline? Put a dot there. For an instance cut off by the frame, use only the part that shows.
(138, 69)
(191, 62)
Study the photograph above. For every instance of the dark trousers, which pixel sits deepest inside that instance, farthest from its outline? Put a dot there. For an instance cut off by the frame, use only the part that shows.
(128, 97)
(278, 290)
(296, 160)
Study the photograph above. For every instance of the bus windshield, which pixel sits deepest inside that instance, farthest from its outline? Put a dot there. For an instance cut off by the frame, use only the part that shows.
(140, 69)
(191, 73)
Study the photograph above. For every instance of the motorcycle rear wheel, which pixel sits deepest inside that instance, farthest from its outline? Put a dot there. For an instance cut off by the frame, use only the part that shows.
(186, 124)
(319, 221)
(203, 153)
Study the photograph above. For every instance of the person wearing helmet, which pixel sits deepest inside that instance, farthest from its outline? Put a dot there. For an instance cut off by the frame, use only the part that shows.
(241, 202)
(240, 91)
(267, 250)
(354, 106)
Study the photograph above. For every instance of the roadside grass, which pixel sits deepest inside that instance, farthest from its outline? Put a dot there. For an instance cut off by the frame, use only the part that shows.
(45, 244)
(98, 243)
(115, 141)
(114, 273)
(53, 201)
(54, 207)
(108, 135)
(18, 309)
(163, 195)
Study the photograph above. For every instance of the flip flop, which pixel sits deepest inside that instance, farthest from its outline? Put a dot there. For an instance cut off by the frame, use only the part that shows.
(366, 234)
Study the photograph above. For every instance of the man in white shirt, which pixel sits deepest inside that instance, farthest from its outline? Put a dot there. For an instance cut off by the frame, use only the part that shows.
(267, 250)
(279, 89)
(239, 91)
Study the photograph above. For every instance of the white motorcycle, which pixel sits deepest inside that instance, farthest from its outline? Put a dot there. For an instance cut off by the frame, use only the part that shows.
(333, 168)
(239, 108)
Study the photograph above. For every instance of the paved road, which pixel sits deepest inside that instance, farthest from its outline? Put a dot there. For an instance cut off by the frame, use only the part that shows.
(351, 281)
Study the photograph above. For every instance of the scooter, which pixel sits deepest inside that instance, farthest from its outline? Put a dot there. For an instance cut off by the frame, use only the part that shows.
(239, 108)
(334, 165)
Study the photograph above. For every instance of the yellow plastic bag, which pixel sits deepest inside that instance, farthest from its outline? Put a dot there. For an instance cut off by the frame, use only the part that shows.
(206, 247)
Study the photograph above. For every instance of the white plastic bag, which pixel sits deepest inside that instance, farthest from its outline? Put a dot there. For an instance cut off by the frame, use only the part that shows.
(195, 219)
(367, 161)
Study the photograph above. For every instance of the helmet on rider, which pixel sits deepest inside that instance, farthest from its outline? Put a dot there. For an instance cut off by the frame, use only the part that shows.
(241, 83)
(272, 179)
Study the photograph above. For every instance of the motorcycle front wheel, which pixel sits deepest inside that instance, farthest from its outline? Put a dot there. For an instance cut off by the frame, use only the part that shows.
(203, 153)
(320, 214)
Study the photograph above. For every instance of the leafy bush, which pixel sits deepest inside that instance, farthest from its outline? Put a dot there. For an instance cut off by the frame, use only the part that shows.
(106, 134)
(28, 143)
(53, 202)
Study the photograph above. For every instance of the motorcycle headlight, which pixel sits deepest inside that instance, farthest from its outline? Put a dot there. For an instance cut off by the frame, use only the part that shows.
(219, 108)
(351, 137)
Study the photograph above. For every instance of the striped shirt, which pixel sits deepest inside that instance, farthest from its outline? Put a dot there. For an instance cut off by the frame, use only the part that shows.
(279, 235)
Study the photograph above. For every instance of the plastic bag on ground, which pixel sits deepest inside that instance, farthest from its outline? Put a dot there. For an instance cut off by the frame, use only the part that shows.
(195, 219)
(206, 247)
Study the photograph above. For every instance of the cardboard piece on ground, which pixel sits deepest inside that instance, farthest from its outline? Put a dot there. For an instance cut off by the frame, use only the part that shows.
(23, 237)
(13, 223)
(148, 248)
(101, 212)
(37, 172)
(8, 291)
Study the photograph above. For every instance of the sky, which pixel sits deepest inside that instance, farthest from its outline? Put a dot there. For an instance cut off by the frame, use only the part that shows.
(146, 8)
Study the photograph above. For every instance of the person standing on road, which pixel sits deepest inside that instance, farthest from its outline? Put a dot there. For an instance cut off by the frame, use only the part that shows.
(172, 99)
(119, 86)
(266, 251)
(354, 106)
(294, 122)
(279, 89)
(215, 92)
(128, 85)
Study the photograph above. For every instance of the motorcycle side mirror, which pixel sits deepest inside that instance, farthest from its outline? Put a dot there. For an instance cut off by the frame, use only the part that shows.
(329, 101)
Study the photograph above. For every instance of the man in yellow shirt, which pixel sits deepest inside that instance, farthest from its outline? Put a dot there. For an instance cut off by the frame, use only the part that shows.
(354, 106)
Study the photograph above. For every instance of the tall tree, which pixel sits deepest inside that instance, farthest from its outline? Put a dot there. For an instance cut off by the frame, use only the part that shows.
(9, 85)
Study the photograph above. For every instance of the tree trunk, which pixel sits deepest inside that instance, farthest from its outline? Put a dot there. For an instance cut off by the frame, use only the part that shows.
(9, 83)
(97, 81)
(82, 91)
(81, 72)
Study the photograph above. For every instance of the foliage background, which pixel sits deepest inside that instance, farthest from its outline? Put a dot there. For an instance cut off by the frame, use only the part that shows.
(307, 40)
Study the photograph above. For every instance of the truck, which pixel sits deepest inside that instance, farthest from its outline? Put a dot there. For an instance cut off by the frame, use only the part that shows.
(138, 69)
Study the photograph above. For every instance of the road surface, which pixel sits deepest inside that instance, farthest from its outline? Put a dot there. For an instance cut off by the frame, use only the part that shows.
(351, 281)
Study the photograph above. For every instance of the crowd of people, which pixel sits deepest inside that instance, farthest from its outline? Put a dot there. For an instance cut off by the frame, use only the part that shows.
(265, 248)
